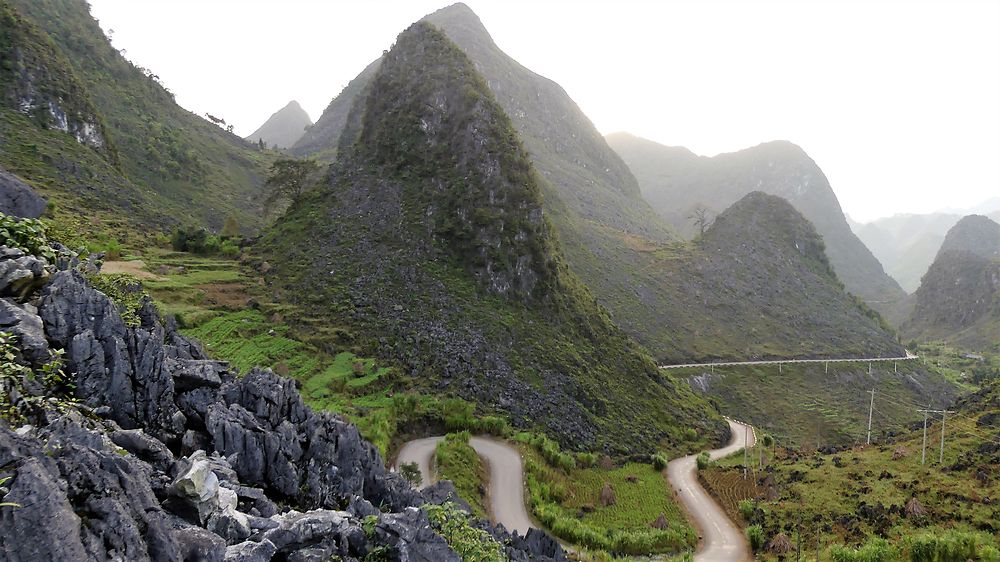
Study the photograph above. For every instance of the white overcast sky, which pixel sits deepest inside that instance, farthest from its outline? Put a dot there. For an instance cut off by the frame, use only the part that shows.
(898, 101)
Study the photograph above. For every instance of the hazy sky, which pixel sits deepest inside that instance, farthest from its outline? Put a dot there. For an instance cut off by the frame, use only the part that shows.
(897, 101)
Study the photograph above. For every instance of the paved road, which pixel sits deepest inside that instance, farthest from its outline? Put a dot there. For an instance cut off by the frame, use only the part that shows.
(907, 357)
(505, 490)
(722, 540)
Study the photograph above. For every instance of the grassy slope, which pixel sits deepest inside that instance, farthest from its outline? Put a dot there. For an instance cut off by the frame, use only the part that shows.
(457, 461)
(831, 491)
(397, 211)
(804, 405)
(178, 166)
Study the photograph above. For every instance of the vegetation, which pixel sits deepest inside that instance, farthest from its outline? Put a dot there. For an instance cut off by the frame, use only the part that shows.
(411, 471)
(125, 291)
(27, 235)
(457, 461)
(287, 179)
(880, 502)
(567, 502)
(19, 383)
(471, 543)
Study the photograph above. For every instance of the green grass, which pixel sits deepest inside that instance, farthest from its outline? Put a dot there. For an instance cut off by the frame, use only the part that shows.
(457, 461)
(567, 503)
(829, 491)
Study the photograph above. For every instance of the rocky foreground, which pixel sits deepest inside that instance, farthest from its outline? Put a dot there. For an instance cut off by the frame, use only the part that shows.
(146, 449)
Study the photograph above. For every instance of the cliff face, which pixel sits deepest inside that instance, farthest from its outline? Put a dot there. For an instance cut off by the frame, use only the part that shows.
(959, 296)
(432, 240)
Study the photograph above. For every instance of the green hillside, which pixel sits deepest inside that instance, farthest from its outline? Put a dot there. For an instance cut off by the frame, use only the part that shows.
(167, 164)
(454, 270)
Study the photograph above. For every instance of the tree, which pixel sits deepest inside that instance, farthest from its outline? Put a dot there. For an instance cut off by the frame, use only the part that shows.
(288, 178)
(699, 216)
(231, 228)
(411, 471)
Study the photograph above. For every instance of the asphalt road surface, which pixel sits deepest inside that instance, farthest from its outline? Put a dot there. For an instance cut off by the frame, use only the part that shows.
(722, 540)
(505, 490)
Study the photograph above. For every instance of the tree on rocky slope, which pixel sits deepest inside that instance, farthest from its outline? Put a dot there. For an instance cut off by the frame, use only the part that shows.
(287, 179)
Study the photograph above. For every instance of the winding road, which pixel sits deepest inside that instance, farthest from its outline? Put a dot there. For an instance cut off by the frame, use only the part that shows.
(505, 491)
(722, 540)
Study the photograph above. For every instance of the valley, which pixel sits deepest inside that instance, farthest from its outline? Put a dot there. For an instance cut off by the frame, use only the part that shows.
(450, 320)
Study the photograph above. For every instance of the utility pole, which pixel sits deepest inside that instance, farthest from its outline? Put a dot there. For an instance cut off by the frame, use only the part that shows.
(923, 453)
(923, 450)
(944, 414)
(871, 409)
(746, 450)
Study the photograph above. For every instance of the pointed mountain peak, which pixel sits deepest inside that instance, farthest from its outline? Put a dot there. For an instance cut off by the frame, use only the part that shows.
(284, 127)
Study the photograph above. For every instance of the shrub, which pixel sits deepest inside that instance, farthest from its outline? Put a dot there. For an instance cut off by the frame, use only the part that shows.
(875, 550)
(949, 546)
(411, 471)
(586, 460)
(746, 509)
(28, 235)
(471, 543)
(125, 291)
(659, 461)
(755, 536)
(690, 434)
(704, 460)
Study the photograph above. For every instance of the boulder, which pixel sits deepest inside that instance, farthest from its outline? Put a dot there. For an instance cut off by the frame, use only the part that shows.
(22, 276)
(19, 199)
(408, 533)
(198, 485)
(249, 551)
(27, 326)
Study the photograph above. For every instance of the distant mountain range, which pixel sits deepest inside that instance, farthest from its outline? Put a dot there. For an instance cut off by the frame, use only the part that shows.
(907, 243)
(284, 128)
(676, 182)
(959, 297)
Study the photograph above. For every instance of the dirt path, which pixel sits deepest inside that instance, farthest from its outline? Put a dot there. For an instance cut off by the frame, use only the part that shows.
(722, 540)
(506, 476)
(133, 267)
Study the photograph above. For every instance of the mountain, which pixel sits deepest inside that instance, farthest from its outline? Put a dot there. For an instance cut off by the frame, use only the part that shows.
(431, 242)
(758, 281)
(906, 243)
(284, 128)
(102, 138)
(676, 181)
(959, 297)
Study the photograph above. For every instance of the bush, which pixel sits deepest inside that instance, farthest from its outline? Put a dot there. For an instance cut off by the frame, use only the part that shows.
(659, 461)
(28, 235)
(949, 546)
(690, 434)
(469, 542)
(704, 460)
(586, 460)
(755, 536)
(746, 509)
(875, 550)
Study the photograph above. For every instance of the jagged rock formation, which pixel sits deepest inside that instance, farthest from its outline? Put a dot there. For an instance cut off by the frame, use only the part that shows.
(959, 296)
(676, 181)
(168, 455)
(284, 128)
(19, 199)
(94, 132)
(760, 275)
(455, 272)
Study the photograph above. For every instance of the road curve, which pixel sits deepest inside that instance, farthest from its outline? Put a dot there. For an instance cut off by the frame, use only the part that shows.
(722, 540)
(505, 490)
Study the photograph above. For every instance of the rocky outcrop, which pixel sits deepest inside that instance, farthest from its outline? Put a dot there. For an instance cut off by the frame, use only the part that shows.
(167, 455)
(18, 198)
